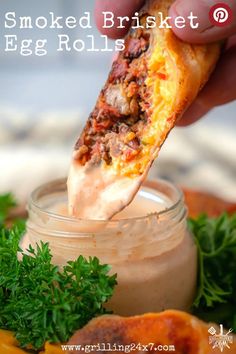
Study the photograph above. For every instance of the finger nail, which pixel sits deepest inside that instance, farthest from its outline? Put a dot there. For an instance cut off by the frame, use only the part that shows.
(200, 9)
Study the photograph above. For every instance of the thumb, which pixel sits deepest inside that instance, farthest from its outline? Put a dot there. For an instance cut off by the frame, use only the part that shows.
(213, 23)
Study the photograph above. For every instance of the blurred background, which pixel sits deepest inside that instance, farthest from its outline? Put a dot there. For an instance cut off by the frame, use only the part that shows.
(44, 102)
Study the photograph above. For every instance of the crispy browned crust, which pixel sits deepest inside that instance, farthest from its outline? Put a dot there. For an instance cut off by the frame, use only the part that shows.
(185, 332)
(194, 62)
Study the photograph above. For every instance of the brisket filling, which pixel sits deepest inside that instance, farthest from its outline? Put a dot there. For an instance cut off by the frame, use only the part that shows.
(115, 126)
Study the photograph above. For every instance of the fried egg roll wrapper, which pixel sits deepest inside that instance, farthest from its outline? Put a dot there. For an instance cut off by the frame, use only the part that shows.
(152, 82)
(177, 331)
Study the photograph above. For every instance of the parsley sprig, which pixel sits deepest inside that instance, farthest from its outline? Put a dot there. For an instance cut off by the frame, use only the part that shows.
(7, 202)
(216, 294)
(38, 301)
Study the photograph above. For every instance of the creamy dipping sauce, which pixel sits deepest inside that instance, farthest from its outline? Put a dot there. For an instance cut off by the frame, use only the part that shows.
(98, 193)
(147, 245)
(145, 202)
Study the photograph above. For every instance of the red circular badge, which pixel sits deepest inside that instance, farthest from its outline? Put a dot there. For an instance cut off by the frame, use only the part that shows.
(221, 15)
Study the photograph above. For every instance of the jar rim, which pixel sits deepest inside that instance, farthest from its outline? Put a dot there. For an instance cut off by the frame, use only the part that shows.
(152, 184)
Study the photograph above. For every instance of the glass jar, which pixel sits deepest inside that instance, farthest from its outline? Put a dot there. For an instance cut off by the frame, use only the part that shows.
(153, 255)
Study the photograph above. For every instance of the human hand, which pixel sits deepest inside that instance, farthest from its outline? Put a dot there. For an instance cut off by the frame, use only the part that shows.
(221, 88)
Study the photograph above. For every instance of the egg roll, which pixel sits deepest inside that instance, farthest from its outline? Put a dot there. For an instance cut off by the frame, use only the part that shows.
(170, 331)
(151, 84)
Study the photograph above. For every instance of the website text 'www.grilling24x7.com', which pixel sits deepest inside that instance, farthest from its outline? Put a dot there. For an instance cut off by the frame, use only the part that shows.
(115, 347)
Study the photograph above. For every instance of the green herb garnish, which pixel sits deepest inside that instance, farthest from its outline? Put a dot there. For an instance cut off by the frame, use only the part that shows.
(7, 202)
(216, 294)
(38, 301)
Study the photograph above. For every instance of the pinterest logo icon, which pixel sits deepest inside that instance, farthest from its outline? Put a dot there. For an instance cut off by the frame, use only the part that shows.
(220, 15)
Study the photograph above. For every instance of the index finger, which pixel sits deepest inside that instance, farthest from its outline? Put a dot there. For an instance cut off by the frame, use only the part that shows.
(118, 8)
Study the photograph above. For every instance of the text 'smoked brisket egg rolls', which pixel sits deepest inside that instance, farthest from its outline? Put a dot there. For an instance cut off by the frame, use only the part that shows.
(152, 82)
